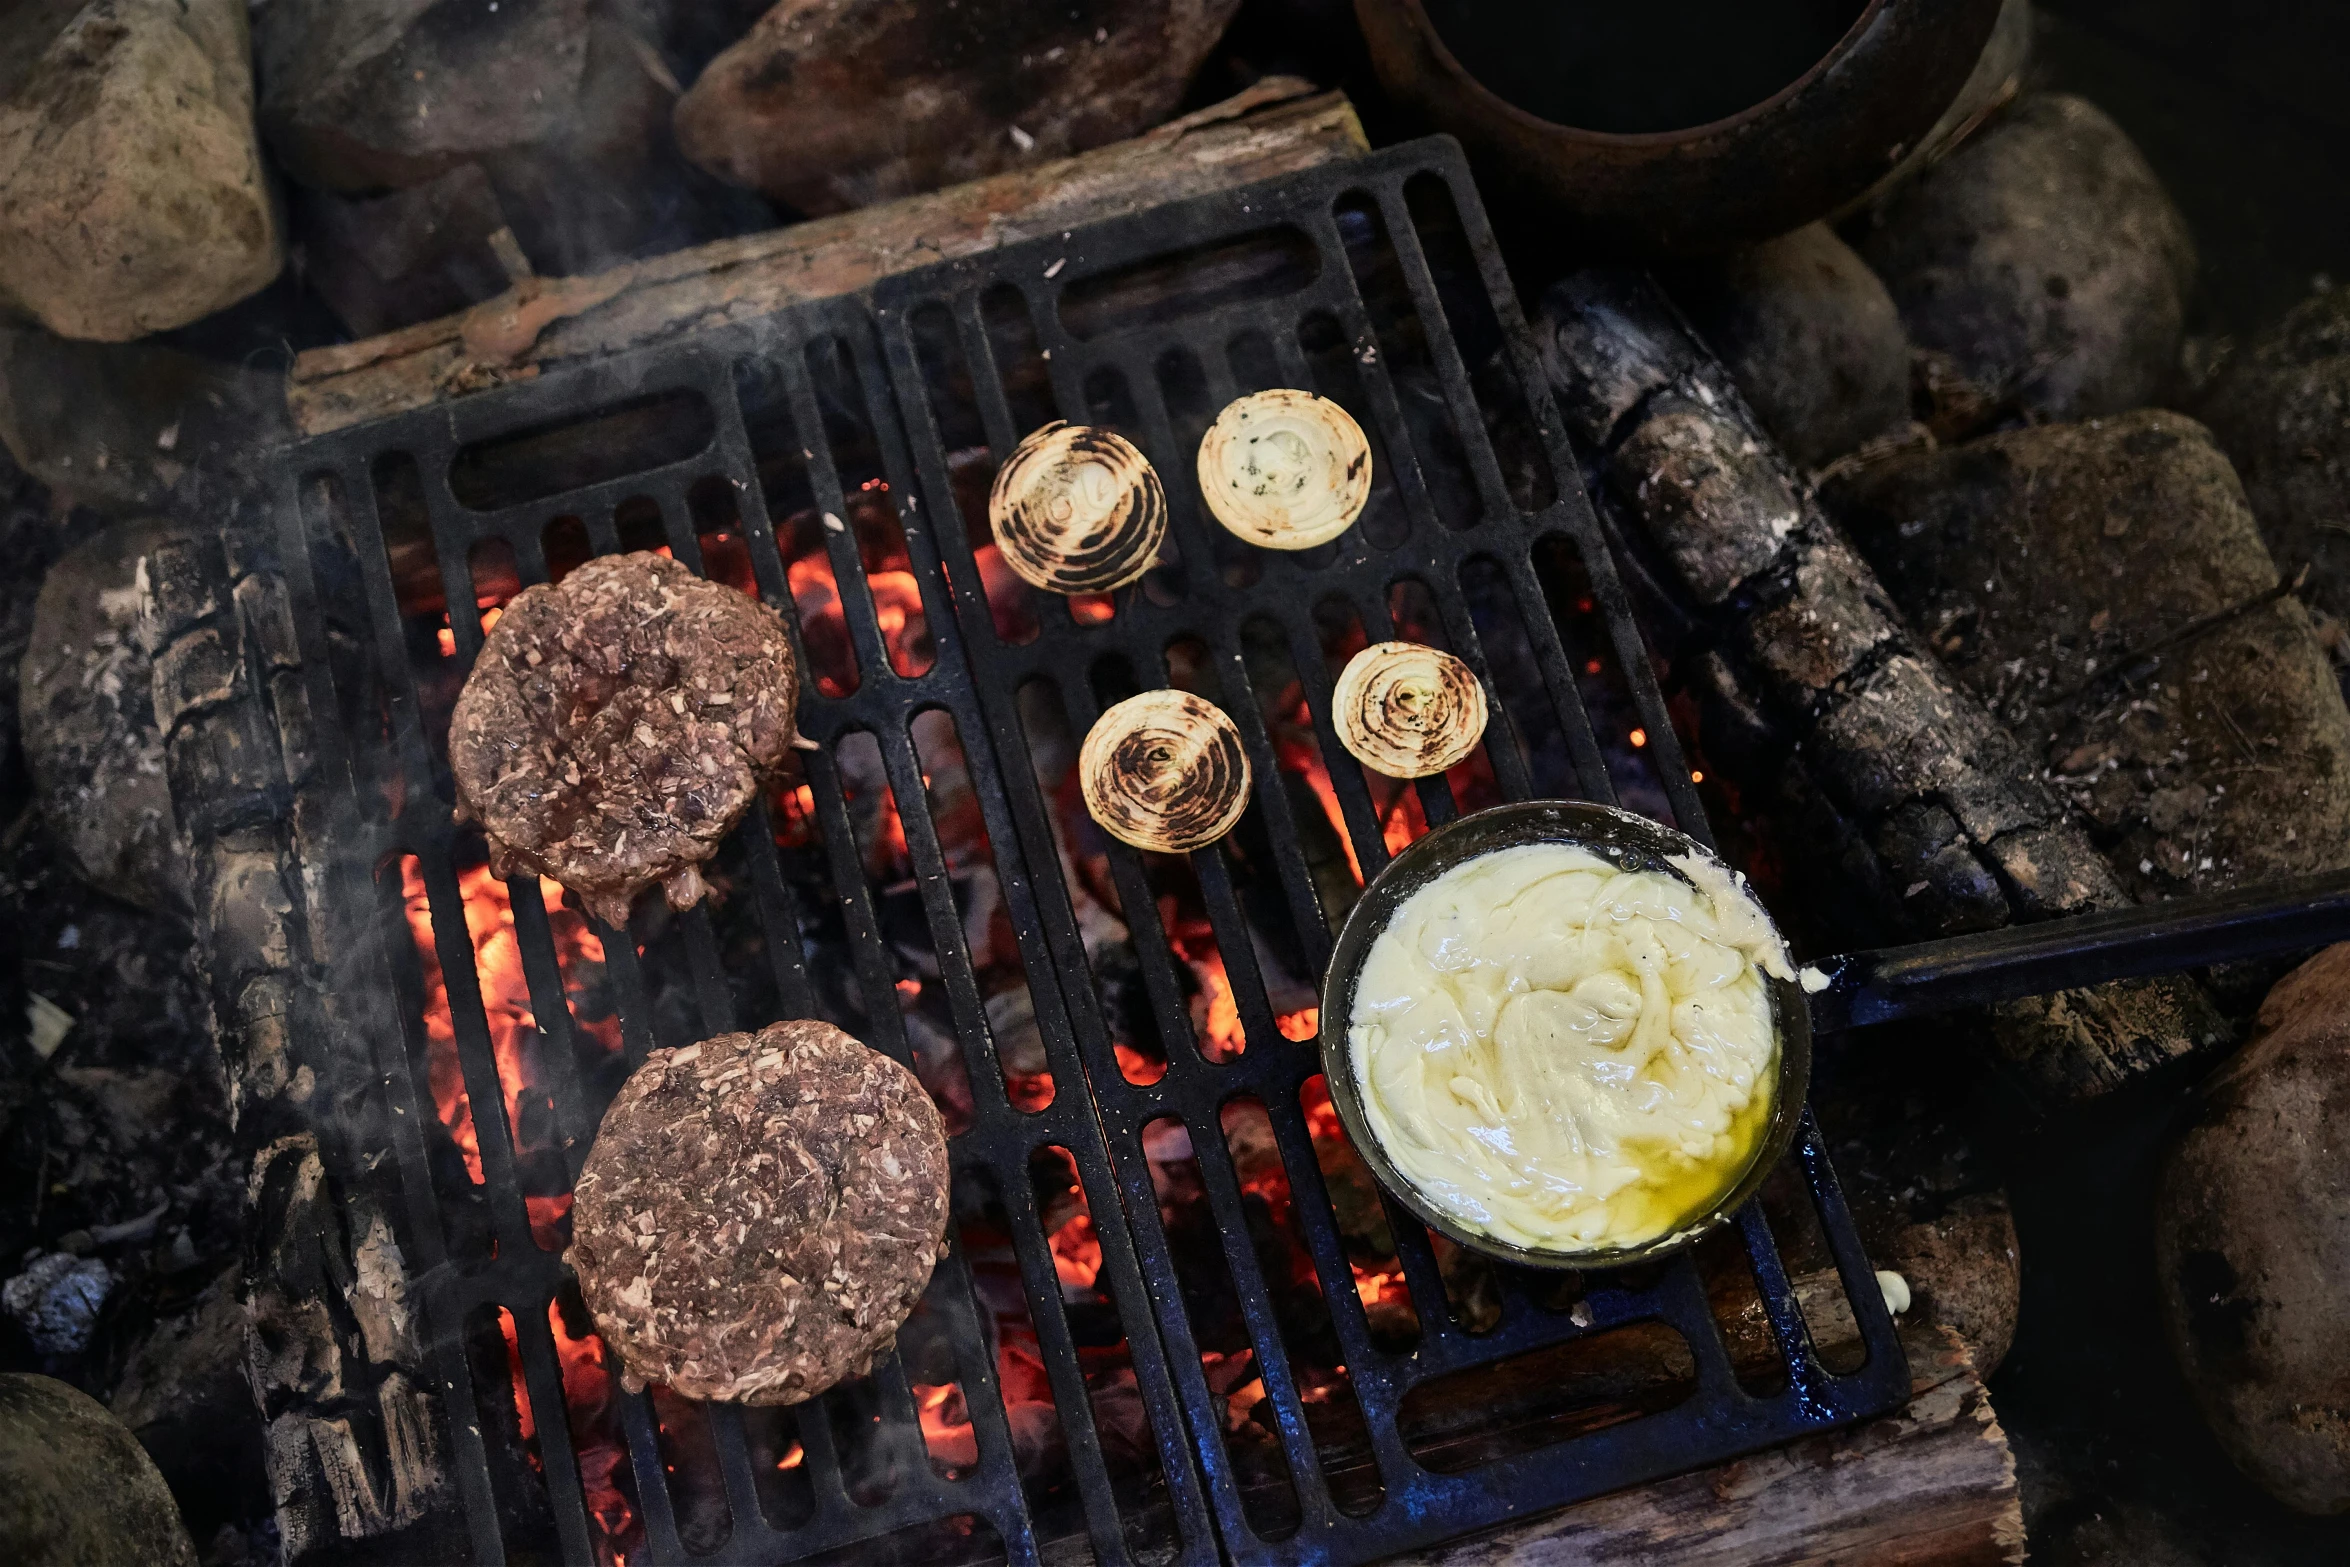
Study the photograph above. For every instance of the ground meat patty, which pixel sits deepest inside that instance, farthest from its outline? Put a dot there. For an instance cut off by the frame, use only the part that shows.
(618, 724)
(759, 1213)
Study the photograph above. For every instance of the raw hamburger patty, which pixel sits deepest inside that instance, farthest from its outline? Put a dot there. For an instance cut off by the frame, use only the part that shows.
(618, 724)
(759, 1213)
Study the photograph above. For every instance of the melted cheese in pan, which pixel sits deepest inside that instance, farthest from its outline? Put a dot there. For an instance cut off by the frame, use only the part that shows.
(1565, 1055)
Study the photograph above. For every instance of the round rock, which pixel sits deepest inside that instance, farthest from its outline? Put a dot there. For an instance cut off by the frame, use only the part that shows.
(76, 1489)
(760, 1213)
(2044, 260)
(2252, 1243)
(1810, 334)
(617, 725)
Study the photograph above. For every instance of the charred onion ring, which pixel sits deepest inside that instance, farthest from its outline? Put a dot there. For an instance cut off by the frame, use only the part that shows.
(1407, 710)
(1285, 469)
(1164, 771)
(1077, 509)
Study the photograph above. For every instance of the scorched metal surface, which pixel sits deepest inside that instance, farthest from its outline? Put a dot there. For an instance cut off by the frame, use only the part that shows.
(1477, 532)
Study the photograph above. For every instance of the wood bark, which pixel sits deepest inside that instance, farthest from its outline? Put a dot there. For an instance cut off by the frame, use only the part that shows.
(1964, 830)
(1931, 1486)
(356, 1435)
(1276, 127)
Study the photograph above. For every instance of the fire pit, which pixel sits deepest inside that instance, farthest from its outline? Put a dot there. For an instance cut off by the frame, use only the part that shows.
(1964, 553)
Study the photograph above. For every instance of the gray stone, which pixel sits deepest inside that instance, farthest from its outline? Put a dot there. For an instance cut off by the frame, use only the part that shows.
(388, 261)
(2280, 408)
(2252, 1243)
(132, 196)
(2044, 260)
(127, 427)
(88, 717)
(560, 102)
(1811, 336)
(830, 104)
(2215, 754)
(75, 1489)
(56, 1300)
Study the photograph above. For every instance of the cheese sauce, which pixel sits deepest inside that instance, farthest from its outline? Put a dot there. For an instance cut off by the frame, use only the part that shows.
(1566, 1055)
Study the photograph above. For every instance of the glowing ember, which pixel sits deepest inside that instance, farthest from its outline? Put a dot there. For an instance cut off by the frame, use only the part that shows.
(946, 1427)
(1077, 1253)
(530, 1425)
(589, 1392)
(1138, 1068)
(824, 629)
(1401, 822)
(794, 810)
(515, 1043)
(1215, 1013)
(1301, 1025)
(897, 605)
(1007, 596)
(491, 609)
(506, 1006)
(889, 576)
(1290, 725)
(549, 1218)
(1378, 1278)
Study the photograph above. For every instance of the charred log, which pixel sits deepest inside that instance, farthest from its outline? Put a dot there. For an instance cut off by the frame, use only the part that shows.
(1964, 832)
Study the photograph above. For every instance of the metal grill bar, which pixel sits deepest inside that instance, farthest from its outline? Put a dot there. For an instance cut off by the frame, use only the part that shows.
(475, 1242)
(1418, 1506)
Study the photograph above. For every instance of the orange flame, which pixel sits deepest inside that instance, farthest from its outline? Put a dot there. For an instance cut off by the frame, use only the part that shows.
(506, 1005)
(514, 1043)
(946, 1426)
(889, 576)
(588, 1397)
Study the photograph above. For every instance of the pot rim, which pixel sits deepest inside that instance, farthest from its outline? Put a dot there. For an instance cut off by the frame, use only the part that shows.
(1643, 139)
(1614, 834)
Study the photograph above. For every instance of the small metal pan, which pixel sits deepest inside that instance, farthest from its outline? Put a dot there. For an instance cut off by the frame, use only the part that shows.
(1867, 987)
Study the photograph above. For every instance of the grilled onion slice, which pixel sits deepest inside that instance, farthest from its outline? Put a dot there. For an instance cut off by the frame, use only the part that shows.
(1407, 710)
(1164, 771)
(1077, 509)
(1285, 469)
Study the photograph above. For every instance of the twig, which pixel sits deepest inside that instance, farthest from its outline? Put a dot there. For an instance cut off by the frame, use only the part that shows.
(2153, 651)
(2236, 730)
(137, 1229)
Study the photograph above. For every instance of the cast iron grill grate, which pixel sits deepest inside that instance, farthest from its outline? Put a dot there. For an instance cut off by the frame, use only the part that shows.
(1145, 1175)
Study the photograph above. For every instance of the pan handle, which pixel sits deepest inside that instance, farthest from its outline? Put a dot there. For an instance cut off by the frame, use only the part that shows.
(2294, 915)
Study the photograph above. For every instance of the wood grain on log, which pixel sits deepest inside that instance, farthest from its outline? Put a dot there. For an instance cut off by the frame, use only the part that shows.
(1276, 127)
(1931, 1486)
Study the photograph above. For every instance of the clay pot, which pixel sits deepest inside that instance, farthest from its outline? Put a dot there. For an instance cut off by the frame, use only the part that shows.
(1815, 144)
